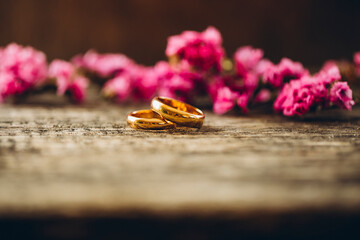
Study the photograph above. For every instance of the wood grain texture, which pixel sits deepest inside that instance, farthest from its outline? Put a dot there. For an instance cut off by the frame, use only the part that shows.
(85, 161)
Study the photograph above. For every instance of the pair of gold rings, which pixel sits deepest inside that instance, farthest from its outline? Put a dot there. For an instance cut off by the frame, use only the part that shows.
(166, 113)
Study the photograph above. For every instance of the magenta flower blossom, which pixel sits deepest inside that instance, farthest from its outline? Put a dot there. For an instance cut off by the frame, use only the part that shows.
(67, 80)
(329, 64)
(251, 81)
(178, 83)
(329, 74)
(202, 50)
(263, 95)
(127, 79)
(251, 67)
(78, 88)
(226, 93)
(277, 75)
(357, 62)
(118, 87)
(178, 86)
(295, 98)
(225, 100)
(7, 85)
(104, 65)
(21, 68)
(262, 66)
(246, 59)
(341, 95)
(242, 101)
(136, 83)
(63, 72)
(145, 83)
(301, 95)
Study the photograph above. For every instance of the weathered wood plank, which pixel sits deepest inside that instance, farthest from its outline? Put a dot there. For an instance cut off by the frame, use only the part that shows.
(85, 161)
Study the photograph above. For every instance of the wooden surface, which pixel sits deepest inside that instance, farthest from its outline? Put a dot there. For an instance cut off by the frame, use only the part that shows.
(85, 162)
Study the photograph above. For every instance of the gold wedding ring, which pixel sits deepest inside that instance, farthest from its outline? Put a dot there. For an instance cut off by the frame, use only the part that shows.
(148, 119)
(178, 112)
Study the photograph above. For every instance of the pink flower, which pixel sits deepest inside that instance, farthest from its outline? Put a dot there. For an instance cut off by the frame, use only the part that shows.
(217, 83)
(136, 83)
(246, 59)
(263, 95)
(177, 83)
(228, 90)
(341, 95)
(22, 68)
(67, 80)
(145, 83)
(284, 95)
(277, 75)
(225, 93)
(249, 65)
(242, 101)
(225, 100)
(290, 68)
(294, 99)
(357, 62)
(6, 85)
(119, 87)
(177, 86)
(63, 72)
(263, 66)
(104, 65)
(78, 88)
(251, 81)
(328, 74)
(202, 50)
(128, 80)
(302, 95)
(329, 64)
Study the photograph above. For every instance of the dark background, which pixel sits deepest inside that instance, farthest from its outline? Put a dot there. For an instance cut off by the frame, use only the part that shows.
(309, 31)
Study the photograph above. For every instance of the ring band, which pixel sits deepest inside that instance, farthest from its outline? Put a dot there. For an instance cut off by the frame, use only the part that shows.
(178, 112)
(148, 119)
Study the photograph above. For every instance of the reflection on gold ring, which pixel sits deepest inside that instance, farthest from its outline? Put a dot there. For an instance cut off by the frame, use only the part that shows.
(178, 112)
(148, 119)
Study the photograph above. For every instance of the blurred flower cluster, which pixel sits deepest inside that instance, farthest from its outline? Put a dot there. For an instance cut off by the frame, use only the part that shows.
(197, 67)
(21, 69)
